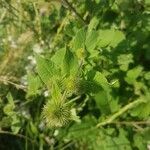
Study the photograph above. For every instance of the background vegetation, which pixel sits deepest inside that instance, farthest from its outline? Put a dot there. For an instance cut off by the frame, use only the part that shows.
(74, 74)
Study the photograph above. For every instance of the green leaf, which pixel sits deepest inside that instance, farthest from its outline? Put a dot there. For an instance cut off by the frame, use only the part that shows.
(121, 141)
(93, 24)
(142, 111)
(103, 97)
(110, 37)
(34, 83)
(58, 57)
(56, 92)
(79, 39)
(5, 122)
(105, 38)
(10, 99)
(102, 81)
(10, 106)
(124, 60)
(69, 29)
(139, 142)
(114, 105)
(106, 142)
(147, 75)
(86, 125)
(117, 38)
(15, 124)
(133, 74)
(8, 109)
(102, 102)
(147, 2)
(70, 63)
(33, 128)
(45, 69)
(91, 40)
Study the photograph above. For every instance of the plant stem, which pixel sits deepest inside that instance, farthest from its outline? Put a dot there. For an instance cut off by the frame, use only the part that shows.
(131, 122)
(120, 112)
(72, 100)
(7, 81)
(74, 10)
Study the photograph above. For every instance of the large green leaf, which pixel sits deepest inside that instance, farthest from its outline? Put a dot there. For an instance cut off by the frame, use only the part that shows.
(102, 81)
(56, 92)
(124, 60)
(143, 110)
(103, 97)
(15, 124)
(58, 57)
(86, 126)
(34, 83)
(133, 74)
(79, 39)
(106, 142)
(45, 69)
(102, 101)
(139, 141)
(70, 63)
(91, 40)
(110, 37)
(93, 24)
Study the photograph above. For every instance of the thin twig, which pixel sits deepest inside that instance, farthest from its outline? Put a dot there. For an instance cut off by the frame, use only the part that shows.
(138, 127)
(7, 81)
(67, 145)
(74, 10)
(120, 112)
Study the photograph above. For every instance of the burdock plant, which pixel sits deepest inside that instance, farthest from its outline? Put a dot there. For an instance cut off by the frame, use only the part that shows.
(56, 114)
